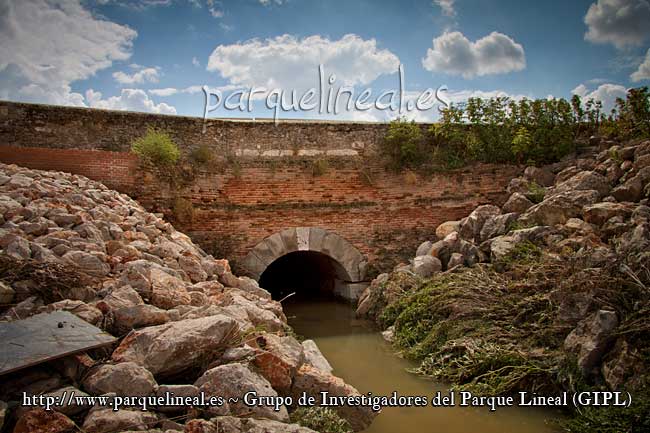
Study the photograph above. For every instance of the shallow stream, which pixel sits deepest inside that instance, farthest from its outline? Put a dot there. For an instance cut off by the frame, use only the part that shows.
(359, 355)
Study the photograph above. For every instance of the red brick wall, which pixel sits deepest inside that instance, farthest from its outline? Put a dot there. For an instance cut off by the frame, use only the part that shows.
(115, 169)
(236, 205)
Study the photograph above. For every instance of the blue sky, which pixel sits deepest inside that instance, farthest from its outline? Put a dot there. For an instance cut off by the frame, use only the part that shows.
(154, 55)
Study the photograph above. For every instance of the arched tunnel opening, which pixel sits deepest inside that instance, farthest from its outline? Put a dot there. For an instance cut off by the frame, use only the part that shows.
(308, 274)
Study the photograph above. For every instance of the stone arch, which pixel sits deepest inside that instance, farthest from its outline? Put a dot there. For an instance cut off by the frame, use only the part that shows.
(352, 265)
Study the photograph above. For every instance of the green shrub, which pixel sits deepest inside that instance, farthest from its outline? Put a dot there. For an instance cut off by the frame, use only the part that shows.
(320, 419)
(319, 167)
(535, 192)
(522, 143)
(202, 155)
(403, 145)
(501, 130)
(183, 210)
(157, 147)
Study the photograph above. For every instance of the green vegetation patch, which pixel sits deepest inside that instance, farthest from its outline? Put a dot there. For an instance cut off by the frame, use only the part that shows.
(320, 419)
(502, 130)
(156, 147)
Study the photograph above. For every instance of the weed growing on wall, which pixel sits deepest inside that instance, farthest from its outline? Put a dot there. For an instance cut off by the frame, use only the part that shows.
(156, 147)
(183, 210)
(202, 155)
(319, 167)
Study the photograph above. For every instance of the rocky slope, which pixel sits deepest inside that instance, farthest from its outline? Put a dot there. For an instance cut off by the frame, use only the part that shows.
(548, 292)
(185, 323)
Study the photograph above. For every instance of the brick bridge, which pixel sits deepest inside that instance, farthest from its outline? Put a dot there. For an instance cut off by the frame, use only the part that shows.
(302, 201)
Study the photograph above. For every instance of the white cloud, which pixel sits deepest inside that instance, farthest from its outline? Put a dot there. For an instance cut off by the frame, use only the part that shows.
(141, 76)
(129, 99)
(454, 54)
(447, 7)
(169, 91)
(605, 93)
(465, 94)
(196, 62)
(46, 45)
(137, 4)
(643, 72)
(215, 7)
(619, 22)
(270, 2)
(287, 62)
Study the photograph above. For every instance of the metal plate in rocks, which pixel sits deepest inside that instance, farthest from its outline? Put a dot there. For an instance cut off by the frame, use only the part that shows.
(45, 337)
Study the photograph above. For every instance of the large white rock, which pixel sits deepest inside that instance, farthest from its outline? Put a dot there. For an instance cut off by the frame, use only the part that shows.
(314, 357)
(176, 346)
(426, 266)
(591, 338)
(126, 378)
(235, 380)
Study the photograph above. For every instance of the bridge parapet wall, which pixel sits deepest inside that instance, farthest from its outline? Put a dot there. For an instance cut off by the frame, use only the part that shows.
(265, 181)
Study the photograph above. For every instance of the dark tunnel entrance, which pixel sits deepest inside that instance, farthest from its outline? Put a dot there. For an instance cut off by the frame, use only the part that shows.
(309, 274)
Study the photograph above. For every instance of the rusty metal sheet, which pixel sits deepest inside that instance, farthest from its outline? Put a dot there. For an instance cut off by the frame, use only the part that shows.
(45, 337)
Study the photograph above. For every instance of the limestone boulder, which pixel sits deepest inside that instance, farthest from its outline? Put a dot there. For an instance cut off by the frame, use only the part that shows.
(470, 226)
(501, 246)
(517, 203)
(80, 309)
(591, 339)
(17, 247)
(120, 297)
(126, 378)
(138, 316)
(191, 264)
(642, 162)
(497, 225)
(584, 181)
(313, 381)
(578, 225)
(540, 176)
(253, 311)
(440, 248)
(167, 291)
(456, 259)
(89, 263)
(314, 357)
(426, 266)
(174, 347)
(599, 213)
(558, 208)
(105, 420)
(64, 407)
(278, 359)
(42, 421)
(6, 293)
(445, 228)
(623, 366)
(631, 190)
(519, 185)
(182, 390)
(424, 248)
(137, 274)
(235, 380)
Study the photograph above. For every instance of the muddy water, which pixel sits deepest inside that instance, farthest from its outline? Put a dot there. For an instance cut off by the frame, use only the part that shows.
(361, 357)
